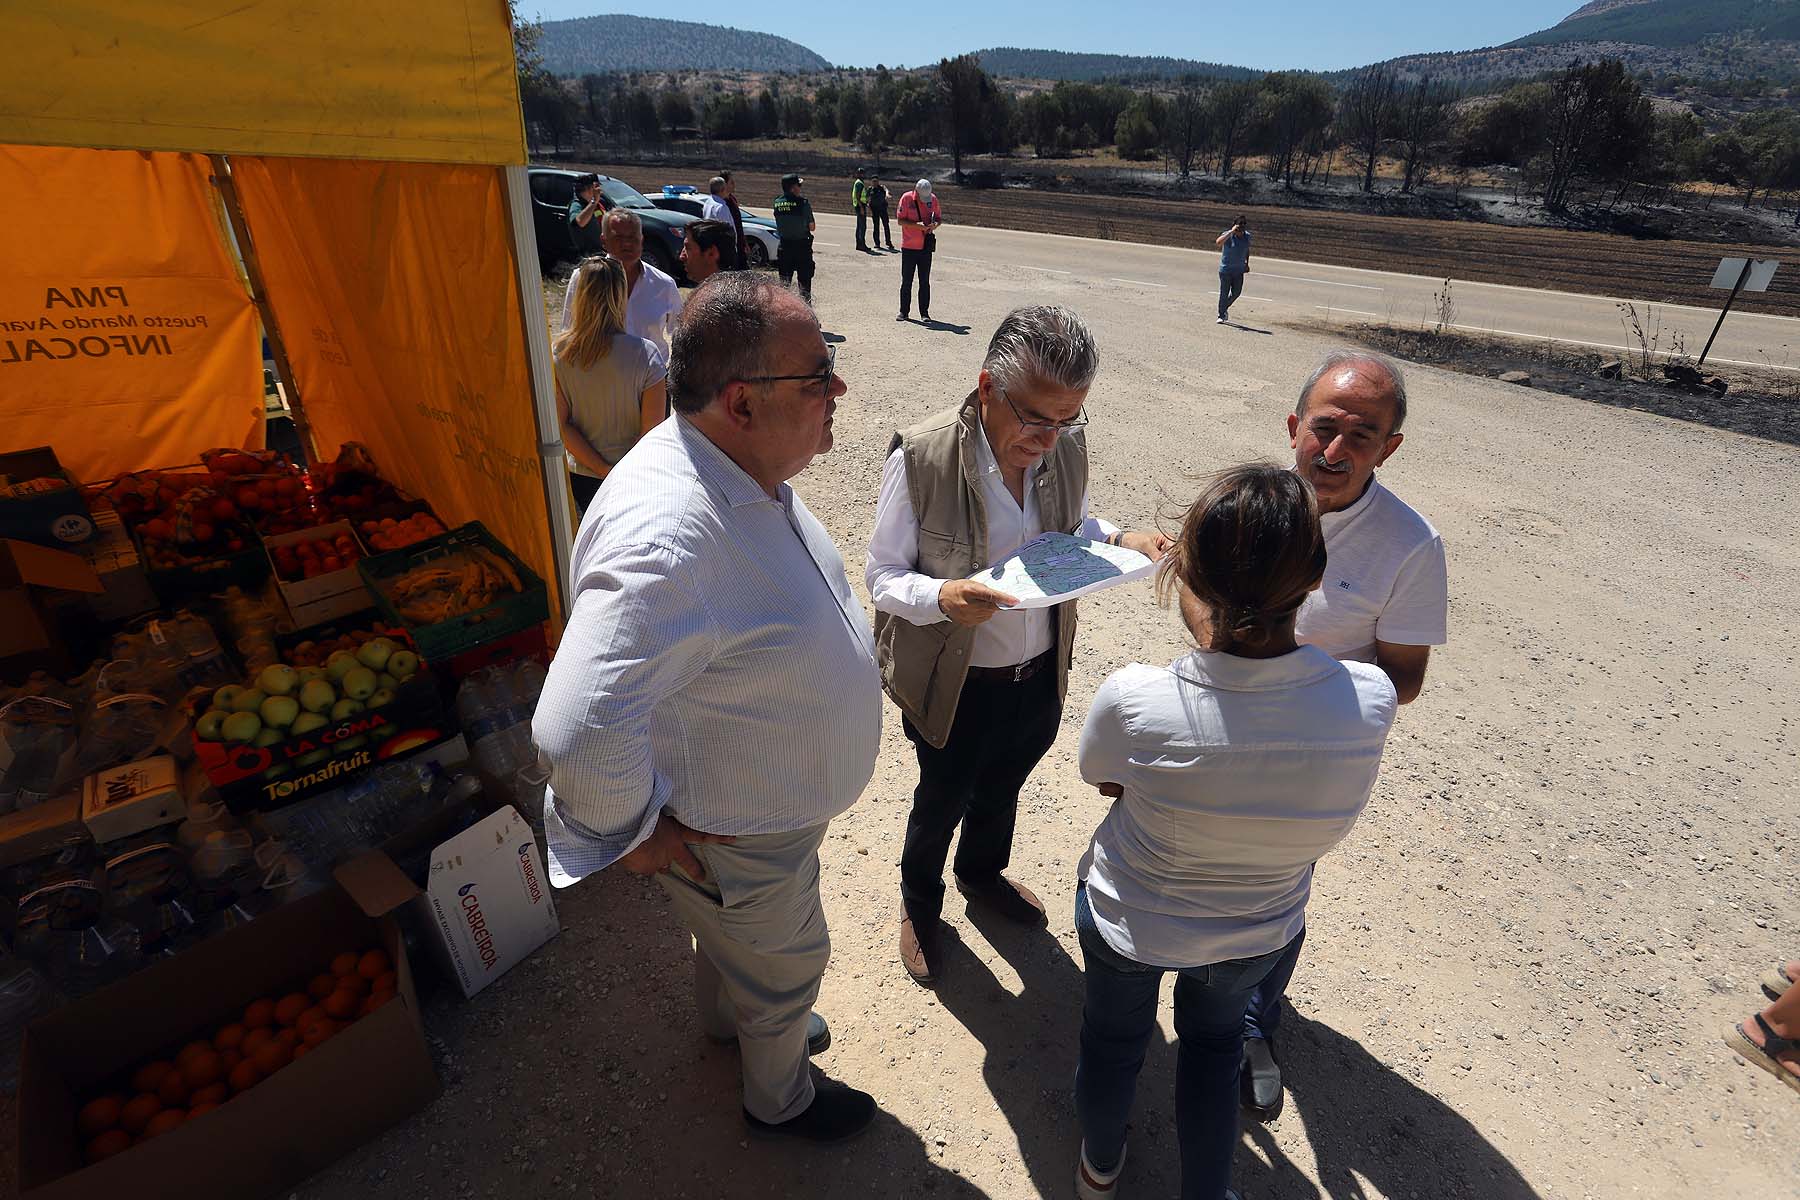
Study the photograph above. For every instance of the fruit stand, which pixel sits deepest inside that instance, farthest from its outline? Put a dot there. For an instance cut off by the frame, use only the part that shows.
(246, 697)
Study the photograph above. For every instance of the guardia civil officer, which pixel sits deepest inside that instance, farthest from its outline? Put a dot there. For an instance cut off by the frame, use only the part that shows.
(794, 222)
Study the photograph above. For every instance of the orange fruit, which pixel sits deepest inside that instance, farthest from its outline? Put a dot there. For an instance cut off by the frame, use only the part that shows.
(212, 1093)
(200, 1108)
(291, 1006)
(372, 964)
(150, 1076)
(345, 963)
(191, 1050)
(260, 1014)
(244, 1076)
(164, 1121)
(272, 1058)
(324, 1031)
(301, 1051)
(230, 1037)
(312, 1016)
(137, 1112)
(375, 1001)
(174, 1090)
(256, 1039)
(287, 1039)
(113, 1141)
(203, 1069)
(231, 1058)
(98, 1116)
(387, 981)
(353, 983)
(342, 1005)
(322, 986)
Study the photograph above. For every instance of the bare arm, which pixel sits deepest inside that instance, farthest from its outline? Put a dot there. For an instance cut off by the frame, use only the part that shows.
(1220, 240)
(1405, 667)
(653, 406)
(575, 441)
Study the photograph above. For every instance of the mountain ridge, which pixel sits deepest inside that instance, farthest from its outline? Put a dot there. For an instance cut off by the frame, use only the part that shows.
(622, 42)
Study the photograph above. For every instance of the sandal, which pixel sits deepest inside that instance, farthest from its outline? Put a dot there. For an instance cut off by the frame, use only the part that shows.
(1776, 982)
(1768, 1055)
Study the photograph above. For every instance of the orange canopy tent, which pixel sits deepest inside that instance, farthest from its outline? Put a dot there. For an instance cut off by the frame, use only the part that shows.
(352, 174)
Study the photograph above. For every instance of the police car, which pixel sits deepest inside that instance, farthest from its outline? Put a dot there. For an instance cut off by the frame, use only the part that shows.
(759, 232)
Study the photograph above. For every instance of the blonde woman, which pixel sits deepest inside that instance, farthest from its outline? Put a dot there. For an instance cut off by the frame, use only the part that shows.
(610, 385)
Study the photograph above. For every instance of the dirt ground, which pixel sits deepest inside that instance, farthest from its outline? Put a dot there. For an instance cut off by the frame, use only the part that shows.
(1666, 271)
(1578, 859)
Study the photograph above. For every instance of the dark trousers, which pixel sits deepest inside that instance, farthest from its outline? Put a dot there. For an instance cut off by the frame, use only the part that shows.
(796, 258)
(920, 261)
(1002, 730)
(585, 487)
(1118, 1018)
(1263, 1017)
(878, 225)
(1231, 286)
(862, 228)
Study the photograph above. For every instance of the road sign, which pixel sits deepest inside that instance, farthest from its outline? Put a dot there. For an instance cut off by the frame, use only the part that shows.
(1740, 275)
(1757, 280)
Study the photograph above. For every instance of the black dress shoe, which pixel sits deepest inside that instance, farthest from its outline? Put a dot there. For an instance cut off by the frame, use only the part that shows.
(1259, 1080)
(837, 1112)
(1013, 901)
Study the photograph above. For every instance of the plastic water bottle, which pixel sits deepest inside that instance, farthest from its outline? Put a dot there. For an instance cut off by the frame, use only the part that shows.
(480, 706)
(85, 958)
(24, 996)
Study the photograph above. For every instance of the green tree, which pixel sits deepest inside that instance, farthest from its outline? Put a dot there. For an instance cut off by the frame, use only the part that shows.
(824, 111)
(1421, 121)
(796, 115)
(1230, 108)
(1138, 132)
(729, 117)
(1040, 116)
(852, 110)
(1598, 122)
(674, 109)
(768, 114)
(1294, 109)
(1185, 130)
(641, 124)
(969, 94)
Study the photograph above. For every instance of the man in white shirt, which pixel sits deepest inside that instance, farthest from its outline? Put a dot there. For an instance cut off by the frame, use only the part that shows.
(981, 687)
(655, 300)
(1385, 597)
(714, 208)
(715, 700)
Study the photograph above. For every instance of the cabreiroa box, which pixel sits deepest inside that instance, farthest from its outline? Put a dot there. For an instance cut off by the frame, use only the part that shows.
(307, 1115)
(490, 898)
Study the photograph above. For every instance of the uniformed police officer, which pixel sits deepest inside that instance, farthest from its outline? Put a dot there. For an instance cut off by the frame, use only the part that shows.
(859, 204)
(794, 222)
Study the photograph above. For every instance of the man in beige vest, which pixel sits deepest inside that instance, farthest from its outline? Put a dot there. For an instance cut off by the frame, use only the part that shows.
(981, 688)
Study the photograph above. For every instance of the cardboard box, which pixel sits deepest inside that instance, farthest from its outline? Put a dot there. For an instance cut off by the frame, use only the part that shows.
(372, 1075)
(31, 577)
(39, 502)
(114, 557)
(323, 597)
(128, 799)
(489, 898)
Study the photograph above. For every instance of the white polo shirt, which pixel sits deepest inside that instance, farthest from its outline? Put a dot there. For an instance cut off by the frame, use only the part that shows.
(712, 208)
(1385, 580)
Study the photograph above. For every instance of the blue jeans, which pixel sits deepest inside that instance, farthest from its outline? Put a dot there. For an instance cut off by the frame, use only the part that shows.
(1117, 1021)
(1231, 286)
(1262, 1019)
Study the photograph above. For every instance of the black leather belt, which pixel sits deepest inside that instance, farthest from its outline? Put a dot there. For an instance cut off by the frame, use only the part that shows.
(1018, 673)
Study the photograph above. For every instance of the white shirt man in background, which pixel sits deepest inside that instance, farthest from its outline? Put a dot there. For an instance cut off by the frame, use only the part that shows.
(1385, 597)
(713, 207)
(655, 299)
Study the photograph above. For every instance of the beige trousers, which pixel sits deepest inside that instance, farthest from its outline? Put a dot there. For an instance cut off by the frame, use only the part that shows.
(760, 949)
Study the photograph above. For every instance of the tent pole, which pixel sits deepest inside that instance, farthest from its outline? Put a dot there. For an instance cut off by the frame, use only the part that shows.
(557, 498)
(240, 229)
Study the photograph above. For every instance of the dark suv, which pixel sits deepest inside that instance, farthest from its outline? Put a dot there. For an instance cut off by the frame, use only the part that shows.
(552, 190)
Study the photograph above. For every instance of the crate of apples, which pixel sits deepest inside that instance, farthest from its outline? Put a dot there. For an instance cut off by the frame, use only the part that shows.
(225, 1062)
(309, 558)
(394, 534)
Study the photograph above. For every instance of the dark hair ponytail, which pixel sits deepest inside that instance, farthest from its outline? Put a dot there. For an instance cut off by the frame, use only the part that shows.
(1250, 550)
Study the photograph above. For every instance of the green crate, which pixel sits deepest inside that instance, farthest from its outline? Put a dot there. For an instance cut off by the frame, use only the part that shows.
(444, 639)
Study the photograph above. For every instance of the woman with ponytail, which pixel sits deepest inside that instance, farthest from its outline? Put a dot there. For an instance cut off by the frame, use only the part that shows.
(1232, 771)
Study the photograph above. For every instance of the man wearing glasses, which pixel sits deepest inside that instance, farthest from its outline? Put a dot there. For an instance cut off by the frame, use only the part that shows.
(981, 688)
(715, 701)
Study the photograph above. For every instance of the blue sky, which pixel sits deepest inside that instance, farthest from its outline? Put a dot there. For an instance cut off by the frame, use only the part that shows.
(1270, 34)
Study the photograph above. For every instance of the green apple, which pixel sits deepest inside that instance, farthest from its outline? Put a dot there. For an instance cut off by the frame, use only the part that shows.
(313, 759)
(316, 696)
(249, 700)
(267, 737)
(351, 743)
(359, 684)
(340, 664)
(308, 674)
(384, 680)
(374, 653)
(401, 664)
(385, 732)
(275, 772)
(208, 727)
(346, 708)
(306, 722)
(279, 711)
(278, 680)
(241, 726)
(226, 697)
(381, 697)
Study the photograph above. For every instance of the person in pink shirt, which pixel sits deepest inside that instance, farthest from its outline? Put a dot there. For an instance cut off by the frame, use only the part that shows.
(919, 215)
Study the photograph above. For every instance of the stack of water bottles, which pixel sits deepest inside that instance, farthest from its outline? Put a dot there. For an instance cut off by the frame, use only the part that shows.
(326, 830)
(495, 706)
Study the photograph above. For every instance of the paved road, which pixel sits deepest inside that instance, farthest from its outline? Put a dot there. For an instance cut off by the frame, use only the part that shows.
(1278, 289)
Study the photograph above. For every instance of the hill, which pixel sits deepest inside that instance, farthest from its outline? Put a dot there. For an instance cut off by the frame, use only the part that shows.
(1672, 23)
(616, 42)
(1016, 63)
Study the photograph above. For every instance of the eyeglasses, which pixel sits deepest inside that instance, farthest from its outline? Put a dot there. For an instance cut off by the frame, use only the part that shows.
(1057, 427)
(822, 378)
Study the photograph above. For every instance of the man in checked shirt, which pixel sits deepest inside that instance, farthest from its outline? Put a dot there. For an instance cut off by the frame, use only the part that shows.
(715, 700)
